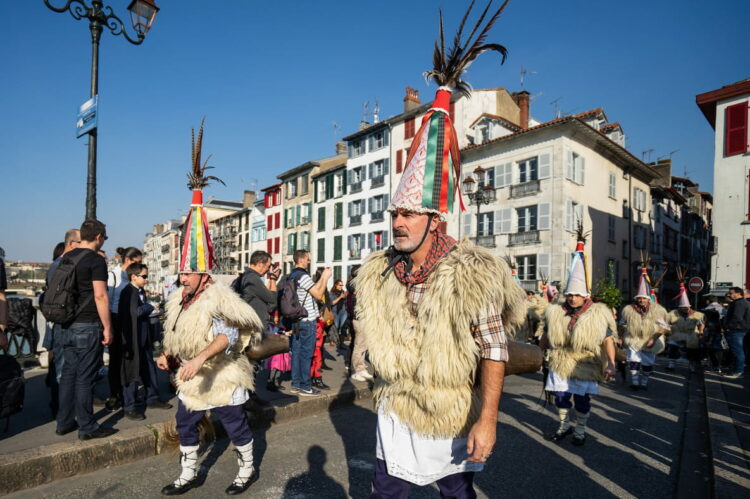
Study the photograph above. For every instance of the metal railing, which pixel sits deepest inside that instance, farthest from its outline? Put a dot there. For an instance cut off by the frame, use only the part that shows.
(525, 189)
(355, 220)
(355, 187)
(378, 181)
(486, 241)
(377, 216)
(521, 238)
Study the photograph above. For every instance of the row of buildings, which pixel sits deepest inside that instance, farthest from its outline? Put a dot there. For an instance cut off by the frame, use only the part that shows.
(547, 177)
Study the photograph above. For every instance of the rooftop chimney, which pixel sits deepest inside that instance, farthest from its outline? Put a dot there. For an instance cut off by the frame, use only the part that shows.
(248, 199)
(411, 100)
(522, 98)
(363, 124)
(340, 147)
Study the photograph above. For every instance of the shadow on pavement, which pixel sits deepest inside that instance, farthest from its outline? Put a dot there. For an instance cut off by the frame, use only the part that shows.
(314, 482)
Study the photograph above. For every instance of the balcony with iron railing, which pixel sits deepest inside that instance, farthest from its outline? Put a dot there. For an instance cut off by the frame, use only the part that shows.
(525, 189)
(486, 241)
(355, 220)
(523, 238)
(377, 216)
(378, 181)
(357, 187)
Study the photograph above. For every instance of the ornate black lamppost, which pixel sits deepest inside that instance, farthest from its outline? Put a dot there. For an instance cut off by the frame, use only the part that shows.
(142, 14)
(485, 195)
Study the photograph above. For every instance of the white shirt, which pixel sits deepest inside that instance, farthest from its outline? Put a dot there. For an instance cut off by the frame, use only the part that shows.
(116, 282)
(304, 284)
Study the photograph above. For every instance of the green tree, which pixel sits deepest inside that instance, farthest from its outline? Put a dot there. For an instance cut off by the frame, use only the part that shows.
(606, 290)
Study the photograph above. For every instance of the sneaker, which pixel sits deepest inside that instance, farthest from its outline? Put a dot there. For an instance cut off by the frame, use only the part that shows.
(734, 375)
(294, 389)
(135, 415)
(66, 430)
(310, 392)
(113, 404)
(558, 435)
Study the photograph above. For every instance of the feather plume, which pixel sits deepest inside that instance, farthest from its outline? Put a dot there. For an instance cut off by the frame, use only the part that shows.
(448, 67)
(662, 275)
(681, 274)
(580, 234)
(197, 178)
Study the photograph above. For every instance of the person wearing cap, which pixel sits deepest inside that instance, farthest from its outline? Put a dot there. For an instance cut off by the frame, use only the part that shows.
(643, 324)
(434, 312)
(686, 327)
(579, 338)
(207, 328)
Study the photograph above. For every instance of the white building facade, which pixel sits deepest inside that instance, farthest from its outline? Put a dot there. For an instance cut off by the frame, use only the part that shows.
(726, 109)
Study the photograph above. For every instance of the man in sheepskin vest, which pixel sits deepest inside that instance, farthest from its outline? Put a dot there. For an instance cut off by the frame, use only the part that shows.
(580, 336)
(643, 325)
(207, 328)
(686, 327)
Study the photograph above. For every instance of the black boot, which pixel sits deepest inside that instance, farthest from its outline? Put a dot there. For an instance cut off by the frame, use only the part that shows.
(318, 383)
(559, 435)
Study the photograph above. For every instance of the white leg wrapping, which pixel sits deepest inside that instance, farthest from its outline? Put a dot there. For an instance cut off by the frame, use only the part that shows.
(564, 415)
(189, 463)
(245, 462)
(634, 377)
(581, 420)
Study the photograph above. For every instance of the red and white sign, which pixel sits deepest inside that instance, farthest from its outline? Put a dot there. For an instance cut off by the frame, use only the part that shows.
(695, 284)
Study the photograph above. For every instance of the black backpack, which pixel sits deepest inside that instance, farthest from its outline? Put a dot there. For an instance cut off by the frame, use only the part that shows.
(237, 284)
(12, 387)
(290, 307)
(60, 300)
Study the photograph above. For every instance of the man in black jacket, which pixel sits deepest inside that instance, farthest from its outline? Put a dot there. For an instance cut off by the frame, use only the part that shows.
(736, 324)
(260, 296)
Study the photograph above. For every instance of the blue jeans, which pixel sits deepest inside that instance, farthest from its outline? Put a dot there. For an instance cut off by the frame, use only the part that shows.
(82, 354)
(339, 318)
(303, 344)
(734, 339)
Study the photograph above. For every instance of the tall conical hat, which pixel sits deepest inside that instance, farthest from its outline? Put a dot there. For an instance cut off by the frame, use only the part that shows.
(644, 286)
(433, 165)
(683, 297)
(197, 255)
(578, 283)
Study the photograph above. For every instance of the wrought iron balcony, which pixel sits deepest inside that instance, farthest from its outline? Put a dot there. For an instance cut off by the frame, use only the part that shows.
(355, 187)
(486, 241)
(525, 189)
(378, 181)
(522, 238)
(355, 220)
(377, 216)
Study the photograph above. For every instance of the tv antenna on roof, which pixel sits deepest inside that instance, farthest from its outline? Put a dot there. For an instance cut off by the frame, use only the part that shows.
(644, 153)
(365, 111)
(376, 112)
(556, 107)
(525, 72)
(336, 130)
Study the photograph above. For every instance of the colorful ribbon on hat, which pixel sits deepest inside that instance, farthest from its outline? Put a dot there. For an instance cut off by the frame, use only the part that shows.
(197, 249)
(442, 163)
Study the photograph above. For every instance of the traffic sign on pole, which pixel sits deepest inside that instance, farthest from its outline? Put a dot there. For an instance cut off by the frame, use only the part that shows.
(695, 284)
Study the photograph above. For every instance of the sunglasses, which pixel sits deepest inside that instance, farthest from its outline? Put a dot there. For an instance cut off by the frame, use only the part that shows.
(143, 276)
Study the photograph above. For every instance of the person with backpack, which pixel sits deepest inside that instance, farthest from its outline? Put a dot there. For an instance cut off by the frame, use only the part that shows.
(78, 301)
(300, 311)
(117, 280)
(250, 286)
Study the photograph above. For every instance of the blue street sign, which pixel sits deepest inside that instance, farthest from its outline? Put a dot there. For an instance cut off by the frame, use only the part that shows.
(88, 115)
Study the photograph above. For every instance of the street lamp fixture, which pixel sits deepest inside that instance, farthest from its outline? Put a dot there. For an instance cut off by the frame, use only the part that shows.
(142, 14)
(484, 195)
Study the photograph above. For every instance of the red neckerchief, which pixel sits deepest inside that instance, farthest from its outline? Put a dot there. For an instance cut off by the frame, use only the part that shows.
(575, 313)
(641, 310)
(442, 244)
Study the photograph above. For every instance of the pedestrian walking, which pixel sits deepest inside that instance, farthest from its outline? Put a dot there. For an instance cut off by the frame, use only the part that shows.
(715, 342)
(82, 338)
(138, 366)
(686, 327)
(643, 324)
(117, 280)
(430, 327)
(736, 325)
(304, 330)
(208, 326)
(580, 336)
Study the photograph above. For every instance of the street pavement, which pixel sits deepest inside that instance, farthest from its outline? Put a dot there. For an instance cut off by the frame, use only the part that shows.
(634, 449)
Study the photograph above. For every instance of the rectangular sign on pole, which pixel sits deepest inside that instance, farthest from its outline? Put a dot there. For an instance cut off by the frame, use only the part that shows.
(88, 115)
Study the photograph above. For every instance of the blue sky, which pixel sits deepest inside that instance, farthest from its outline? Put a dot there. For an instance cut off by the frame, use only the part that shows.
(271, 78)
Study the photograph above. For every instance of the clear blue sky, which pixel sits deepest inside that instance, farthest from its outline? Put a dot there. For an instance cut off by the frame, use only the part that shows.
(272, 77)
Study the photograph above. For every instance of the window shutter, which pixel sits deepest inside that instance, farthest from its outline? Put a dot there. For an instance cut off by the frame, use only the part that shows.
(500, 176)
(542, 265)
(350, 208)
(386, 137)
(508, 174)
(399, 160)
(315, 188)
(349, 246)
(543, 220)
(569, 164)
(371, 241)
(349, 179)
(338, 213)
(369, 143)
(297, 214)
(385, 239)
(544, 165)
(735, 133)
(329, 187)
(386, 199)
(386, 166)
(503, 221)
(371, 169)
(467, 225)
(343, 182)
(363, 173)
(269, 246)
(370, 203)
(581, 170)
(321, 249)
(569, 215)
(481, 224)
